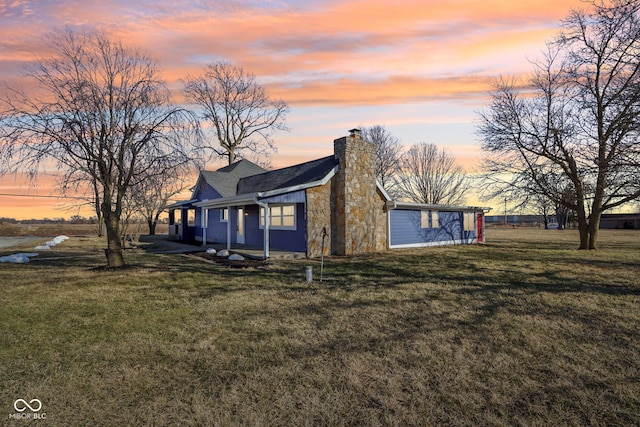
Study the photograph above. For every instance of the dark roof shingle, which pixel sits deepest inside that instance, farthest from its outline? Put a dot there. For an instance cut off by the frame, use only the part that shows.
(301, 174)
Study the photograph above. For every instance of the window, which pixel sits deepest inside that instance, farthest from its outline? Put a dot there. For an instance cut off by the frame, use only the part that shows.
(424, 219)
(281, 217)
(469, 221)
(224, 215)
(191, 217)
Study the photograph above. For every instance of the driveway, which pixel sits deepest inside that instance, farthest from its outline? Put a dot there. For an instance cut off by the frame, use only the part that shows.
(10, 241)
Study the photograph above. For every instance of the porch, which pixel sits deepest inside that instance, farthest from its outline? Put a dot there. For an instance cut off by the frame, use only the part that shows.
(164, 244)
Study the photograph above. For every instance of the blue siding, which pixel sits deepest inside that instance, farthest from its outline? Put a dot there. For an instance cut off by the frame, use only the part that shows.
(217, 230)
(287, 240)
(204, 192)
(406, 229)
(187, 230)
(253, 234)
(284, 240)
(295, 197)
(291, 240)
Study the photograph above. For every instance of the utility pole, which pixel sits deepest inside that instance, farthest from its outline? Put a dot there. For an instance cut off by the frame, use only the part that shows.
(505, 211)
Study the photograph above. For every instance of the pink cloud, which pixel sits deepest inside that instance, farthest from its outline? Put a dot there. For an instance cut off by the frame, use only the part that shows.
(314, 53)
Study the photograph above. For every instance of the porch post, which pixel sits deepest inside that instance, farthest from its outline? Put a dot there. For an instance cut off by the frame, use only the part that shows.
(265, 245)
(203, 223)
(172, 227)
(266, 231)
(228, 228)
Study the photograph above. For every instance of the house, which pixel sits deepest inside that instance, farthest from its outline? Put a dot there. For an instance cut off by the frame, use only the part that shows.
(620, 221)
(333, 203)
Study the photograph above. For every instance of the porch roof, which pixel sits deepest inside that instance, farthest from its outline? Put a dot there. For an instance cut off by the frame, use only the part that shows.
(180, 204)
(223, 202)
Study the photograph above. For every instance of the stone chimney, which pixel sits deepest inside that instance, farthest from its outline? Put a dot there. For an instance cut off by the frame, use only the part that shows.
(355, 202)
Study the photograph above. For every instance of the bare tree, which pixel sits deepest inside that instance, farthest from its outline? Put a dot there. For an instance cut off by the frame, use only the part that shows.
(522, 192)
(241, 113)
(431, 175)
(150, 197)
(388, 151)
(100, 111)
(578, 117)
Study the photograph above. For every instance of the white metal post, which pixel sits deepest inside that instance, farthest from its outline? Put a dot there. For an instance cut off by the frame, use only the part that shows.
(265, 246)
(203, 223)
(228, 227)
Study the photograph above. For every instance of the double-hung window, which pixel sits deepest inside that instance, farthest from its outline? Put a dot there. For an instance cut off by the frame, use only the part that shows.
(424, 219)
(469, 221)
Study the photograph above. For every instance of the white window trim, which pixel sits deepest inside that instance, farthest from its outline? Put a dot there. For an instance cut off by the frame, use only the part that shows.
(424, 219)
(222, 211)
(191, 217)
(271, 216)
(429, 219)
(469, 221)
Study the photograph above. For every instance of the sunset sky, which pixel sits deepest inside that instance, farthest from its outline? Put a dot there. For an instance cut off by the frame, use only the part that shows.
(422, 68)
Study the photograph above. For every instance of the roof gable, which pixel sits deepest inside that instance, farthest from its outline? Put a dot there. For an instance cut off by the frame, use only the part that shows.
(225, 180)
(291, 176)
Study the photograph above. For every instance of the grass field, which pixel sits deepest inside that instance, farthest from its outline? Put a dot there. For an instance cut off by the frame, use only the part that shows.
(524, 330)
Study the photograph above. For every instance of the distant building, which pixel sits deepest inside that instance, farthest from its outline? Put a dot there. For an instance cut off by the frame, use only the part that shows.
(520, 220)
(620, 221)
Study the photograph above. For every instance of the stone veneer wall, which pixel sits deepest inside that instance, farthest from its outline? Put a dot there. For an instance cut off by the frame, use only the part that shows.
(381, 224)
(358, 218)
(318, 216)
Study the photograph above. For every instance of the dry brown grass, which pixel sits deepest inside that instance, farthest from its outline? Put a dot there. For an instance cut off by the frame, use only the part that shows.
(521, 331)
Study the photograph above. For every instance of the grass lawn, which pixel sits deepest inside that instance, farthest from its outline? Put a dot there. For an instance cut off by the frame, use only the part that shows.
(524, 330)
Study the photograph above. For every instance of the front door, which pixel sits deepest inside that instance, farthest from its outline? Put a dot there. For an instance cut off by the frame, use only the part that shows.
(480, 229)
(240, 236)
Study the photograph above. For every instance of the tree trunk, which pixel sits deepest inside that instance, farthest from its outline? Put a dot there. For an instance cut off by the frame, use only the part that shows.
(584, 236)
(594, 227)
(583, 226)
(152, 227)
(114, 244)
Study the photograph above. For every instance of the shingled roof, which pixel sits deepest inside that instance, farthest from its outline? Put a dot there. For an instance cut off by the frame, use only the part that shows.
(225, 180)
(304, 173)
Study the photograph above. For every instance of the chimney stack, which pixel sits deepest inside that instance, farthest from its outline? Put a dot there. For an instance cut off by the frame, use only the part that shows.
(354, 196)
